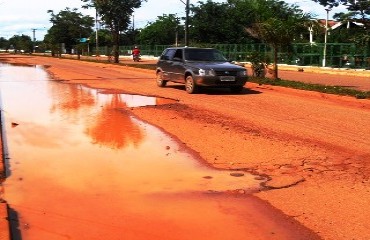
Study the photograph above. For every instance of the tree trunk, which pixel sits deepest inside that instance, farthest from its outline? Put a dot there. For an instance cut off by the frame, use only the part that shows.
(116, 45)
(275, 72)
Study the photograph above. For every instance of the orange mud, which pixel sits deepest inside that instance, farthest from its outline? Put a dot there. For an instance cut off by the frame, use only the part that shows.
(314, 148)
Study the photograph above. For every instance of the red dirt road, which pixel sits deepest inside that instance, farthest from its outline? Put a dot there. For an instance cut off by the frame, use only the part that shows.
(315, 148)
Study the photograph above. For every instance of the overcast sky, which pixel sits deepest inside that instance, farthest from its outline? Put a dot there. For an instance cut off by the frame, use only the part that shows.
(21, 16)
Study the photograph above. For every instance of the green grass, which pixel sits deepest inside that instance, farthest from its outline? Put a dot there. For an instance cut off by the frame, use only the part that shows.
(338, 90)
(143, 66)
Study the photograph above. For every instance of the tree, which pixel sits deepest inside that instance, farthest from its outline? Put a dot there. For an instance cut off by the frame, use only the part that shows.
(345, 33)
(329, 3)
(116, 15)
(215, 23)
(164, 31)
(105, 38)
(22, 42)
(4, 44)
(360, 9)
(274, 22)
(130, 37)
(69, 26)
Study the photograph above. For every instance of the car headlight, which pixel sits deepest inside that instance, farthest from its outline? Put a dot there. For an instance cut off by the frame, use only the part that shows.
(243, 73)
(203, 72)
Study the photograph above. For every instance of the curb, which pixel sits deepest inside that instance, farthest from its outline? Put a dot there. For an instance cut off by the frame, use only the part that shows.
(322, 70)
(325, 70)
(4, 222)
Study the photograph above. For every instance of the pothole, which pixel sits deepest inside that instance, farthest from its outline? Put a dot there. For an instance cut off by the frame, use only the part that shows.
(77, 162)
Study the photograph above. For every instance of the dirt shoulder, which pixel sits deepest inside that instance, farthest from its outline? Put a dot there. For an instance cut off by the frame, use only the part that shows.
(314, 148)
(4, 223)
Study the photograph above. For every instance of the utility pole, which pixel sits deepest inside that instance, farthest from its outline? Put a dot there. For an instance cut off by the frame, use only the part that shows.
(133, 29)
(34, 39)
(96, 32)
(326, 36)
(187, 9)
(34, 34)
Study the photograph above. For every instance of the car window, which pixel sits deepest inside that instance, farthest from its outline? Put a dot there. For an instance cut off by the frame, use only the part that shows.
(204, 55)
(178, 54)
(168, 54)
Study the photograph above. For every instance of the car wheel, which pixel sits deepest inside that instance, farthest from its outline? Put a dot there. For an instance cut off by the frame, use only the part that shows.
(190, 85)
(160, 81)
(237, 89)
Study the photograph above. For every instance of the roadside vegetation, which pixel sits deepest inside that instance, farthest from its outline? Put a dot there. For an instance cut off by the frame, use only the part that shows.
(272, 22)
(337, 90)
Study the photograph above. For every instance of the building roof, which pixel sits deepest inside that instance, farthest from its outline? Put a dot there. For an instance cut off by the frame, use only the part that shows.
(348, 24)
(331, 23)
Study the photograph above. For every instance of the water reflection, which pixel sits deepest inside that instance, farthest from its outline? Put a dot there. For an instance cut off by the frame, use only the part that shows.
(70, 99)
(112, 127)
(106, 122)
(68, 183)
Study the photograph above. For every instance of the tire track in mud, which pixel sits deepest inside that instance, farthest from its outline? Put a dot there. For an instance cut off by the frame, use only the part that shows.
(339, 153)
(318, 125)
(270, 115)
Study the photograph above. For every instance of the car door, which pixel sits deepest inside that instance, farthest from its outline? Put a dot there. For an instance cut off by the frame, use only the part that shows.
(165, 63)
(178, 69)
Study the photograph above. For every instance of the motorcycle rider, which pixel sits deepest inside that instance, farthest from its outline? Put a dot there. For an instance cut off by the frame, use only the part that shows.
(136, 54)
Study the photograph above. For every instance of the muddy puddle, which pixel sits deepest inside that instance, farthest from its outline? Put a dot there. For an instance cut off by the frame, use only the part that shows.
(80, 167)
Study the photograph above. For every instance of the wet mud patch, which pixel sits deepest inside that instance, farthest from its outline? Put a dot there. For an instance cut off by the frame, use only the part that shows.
(5, 61)
(75, 148)
(135, 100)
(330, 203)
(272, 164)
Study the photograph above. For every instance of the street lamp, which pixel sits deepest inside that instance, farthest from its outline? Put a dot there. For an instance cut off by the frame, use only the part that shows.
(326, 36)
(34, 38)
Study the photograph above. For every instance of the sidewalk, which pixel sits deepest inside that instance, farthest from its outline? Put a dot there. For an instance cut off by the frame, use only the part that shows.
(358, 79)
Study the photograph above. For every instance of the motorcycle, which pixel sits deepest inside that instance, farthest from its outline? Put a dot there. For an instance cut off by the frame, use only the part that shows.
(136, 57)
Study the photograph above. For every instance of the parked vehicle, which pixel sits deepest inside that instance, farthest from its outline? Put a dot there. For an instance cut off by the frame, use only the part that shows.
(199, 67)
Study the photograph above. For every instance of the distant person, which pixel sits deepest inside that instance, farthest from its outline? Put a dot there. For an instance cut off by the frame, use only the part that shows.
(136, 54)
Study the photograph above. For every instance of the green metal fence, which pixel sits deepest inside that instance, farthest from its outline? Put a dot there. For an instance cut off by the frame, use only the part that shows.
(337, 54)
(151, 50)
(341, 55)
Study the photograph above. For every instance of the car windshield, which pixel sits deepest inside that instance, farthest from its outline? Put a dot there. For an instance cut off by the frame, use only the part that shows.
(204, 55)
